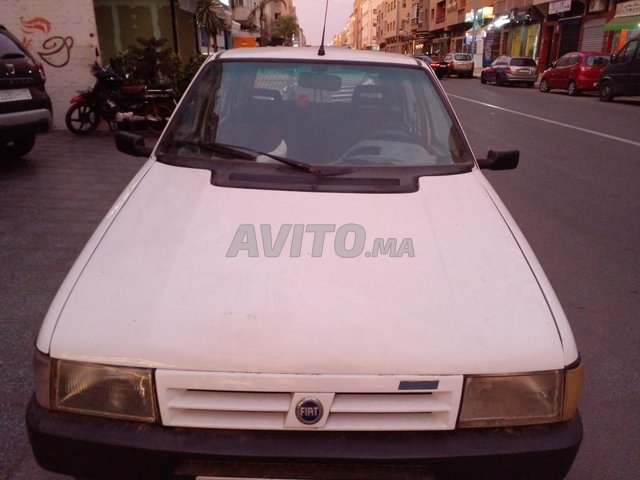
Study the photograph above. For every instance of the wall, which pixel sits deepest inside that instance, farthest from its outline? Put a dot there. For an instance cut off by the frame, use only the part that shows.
(62, 36)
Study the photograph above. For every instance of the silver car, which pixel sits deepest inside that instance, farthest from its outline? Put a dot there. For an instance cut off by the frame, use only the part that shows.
(460, 64)
(508, 70)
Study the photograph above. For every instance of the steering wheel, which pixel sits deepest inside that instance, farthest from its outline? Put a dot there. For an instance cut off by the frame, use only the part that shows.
(391, 146)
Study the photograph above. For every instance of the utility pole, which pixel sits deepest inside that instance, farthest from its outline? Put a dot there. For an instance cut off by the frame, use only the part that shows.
(473, 27)
(398, 25)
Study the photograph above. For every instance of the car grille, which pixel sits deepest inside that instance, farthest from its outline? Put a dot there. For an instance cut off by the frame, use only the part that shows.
(268, 402)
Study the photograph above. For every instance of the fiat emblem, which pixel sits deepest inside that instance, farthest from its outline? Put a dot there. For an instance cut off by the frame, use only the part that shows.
(309, 411)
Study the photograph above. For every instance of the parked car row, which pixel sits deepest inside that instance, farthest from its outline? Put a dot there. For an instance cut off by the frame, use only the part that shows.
(575, 72)
(460, 64)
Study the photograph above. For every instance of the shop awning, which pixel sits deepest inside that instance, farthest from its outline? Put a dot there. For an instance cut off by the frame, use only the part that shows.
(628, 22)
(480, 32)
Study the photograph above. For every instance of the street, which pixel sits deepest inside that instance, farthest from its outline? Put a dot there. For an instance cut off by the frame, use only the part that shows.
(575, 195)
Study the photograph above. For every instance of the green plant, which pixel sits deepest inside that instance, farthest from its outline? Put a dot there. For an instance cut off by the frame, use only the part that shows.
(210, 16)
(286, 27)
(167, 69)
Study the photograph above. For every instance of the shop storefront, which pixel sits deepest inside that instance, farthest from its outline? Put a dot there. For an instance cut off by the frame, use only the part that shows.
(515, 33)
(525, 28)
(440, 43)
(562, 30)
(625, 24)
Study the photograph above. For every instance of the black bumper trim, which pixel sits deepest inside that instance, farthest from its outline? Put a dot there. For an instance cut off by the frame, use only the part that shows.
(101, 448)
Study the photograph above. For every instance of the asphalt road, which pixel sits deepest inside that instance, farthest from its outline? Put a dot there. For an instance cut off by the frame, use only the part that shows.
(576, 196)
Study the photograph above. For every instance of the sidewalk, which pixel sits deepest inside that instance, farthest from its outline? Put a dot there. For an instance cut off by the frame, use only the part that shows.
(51, 202)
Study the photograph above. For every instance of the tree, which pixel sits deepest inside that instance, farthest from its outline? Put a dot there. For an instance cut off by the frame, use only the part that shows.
(260, 9)
(210, 15)
(286, 27)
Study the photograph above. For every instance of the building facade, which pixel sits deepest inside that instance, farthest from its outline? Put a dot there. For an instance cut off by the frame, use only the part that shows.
(541, 29)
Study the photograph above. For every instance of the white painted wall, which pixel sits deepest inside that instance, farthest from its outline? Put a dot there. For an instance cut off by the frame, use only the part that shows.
(61, 35)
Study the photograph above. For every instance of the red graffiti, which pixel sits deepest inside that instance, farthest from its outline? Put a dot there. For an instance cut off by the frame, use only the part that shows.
(38, 23)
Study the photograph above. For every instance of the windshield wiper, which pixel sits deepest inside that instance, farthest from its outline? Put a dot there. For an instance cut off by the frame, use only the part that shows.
(238, 151)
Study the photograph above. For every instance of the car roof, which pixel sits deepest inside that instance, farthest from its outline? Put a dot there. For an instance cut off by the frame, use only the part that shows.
(310, 54)
(587, 52)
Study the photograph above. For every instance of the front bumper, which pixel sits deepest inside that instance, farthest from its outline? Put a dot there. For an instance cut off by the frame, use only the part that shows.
(100, 448)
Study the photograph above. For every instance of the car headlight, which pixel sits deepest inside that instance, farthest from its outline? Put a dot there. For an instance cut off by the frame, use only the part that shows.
(524, 399)
(94, 389)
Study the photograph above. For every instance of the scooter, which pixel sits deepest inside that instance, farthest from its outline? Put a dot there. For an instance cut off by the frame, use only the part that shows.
(124, 106)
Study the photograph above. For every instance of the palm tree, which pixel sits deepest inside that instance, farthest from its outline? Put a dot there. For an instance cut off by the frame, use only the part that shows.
(260, 8)
(210, 15)
(286, 27)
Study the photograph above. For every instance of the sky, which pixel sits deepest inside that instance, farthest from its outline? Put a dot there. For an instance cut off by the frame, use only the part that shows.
(310, 15)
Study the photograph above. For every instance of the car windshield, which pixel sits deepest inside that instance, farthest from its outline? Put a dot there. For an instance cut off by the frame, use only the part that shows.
(596, 60)
(318, 114)
(523, 62)
(463, 57)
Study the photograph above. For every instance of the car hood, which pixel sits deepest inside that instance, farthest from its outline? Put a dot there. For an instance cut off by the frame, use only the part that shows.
(167, 286)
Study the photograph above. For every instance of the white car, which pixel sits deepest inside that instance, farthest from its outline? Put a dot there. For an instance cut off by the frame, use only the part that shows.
(309, 278)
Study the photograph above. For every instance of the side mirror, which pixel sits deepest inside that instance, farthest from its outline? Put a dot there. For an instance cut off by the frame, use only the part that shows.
(613, 58)
(132, 144)
(554, 64)
(505, 160)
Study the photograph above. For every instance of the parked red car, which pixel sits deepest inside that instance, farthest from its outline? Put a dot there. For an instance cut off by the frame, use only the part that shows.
(575, 72)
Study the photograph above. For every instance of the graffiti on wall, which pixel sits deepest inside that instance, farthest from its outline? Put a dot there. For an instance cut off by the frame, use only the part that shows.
(54, 50)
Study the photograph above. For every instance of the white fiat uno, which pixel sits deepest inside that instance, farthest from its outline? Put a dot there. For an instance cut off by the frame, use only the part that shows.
(310, 278)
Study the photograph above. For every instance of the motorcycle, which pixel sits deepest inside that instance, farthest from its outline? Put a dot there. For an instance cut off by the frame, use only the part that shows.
(123, 106)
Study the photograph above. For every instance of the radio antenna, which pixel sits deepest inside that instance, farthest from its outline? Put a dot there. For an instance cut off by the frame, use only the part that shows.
(324, 27)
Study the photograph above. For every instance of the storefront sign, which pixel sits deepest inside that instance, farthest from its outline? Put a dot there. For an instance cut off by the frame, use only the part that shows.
(559, 6)
(481, 13)
(628, 8)
(519, 15)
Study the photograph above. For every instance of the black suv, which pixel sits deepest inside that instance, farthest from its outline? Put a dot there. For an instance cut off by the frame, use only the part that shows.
(25, 107)
(622, 76)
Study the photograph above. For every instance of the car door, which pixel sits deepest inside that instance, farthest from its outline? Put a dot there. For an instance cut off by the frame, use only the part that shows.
(498, 64)
(569, 71)
(634, 71)
(554, 72)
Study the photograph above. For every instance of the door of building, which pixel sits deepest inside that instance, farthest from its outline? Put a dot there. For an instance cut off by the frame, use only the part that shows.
(593, 35)
(570, 35)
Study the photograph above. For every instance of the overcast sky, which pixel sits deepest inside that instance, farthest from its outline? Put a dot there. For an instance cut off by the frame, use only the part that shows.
(311, 15)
